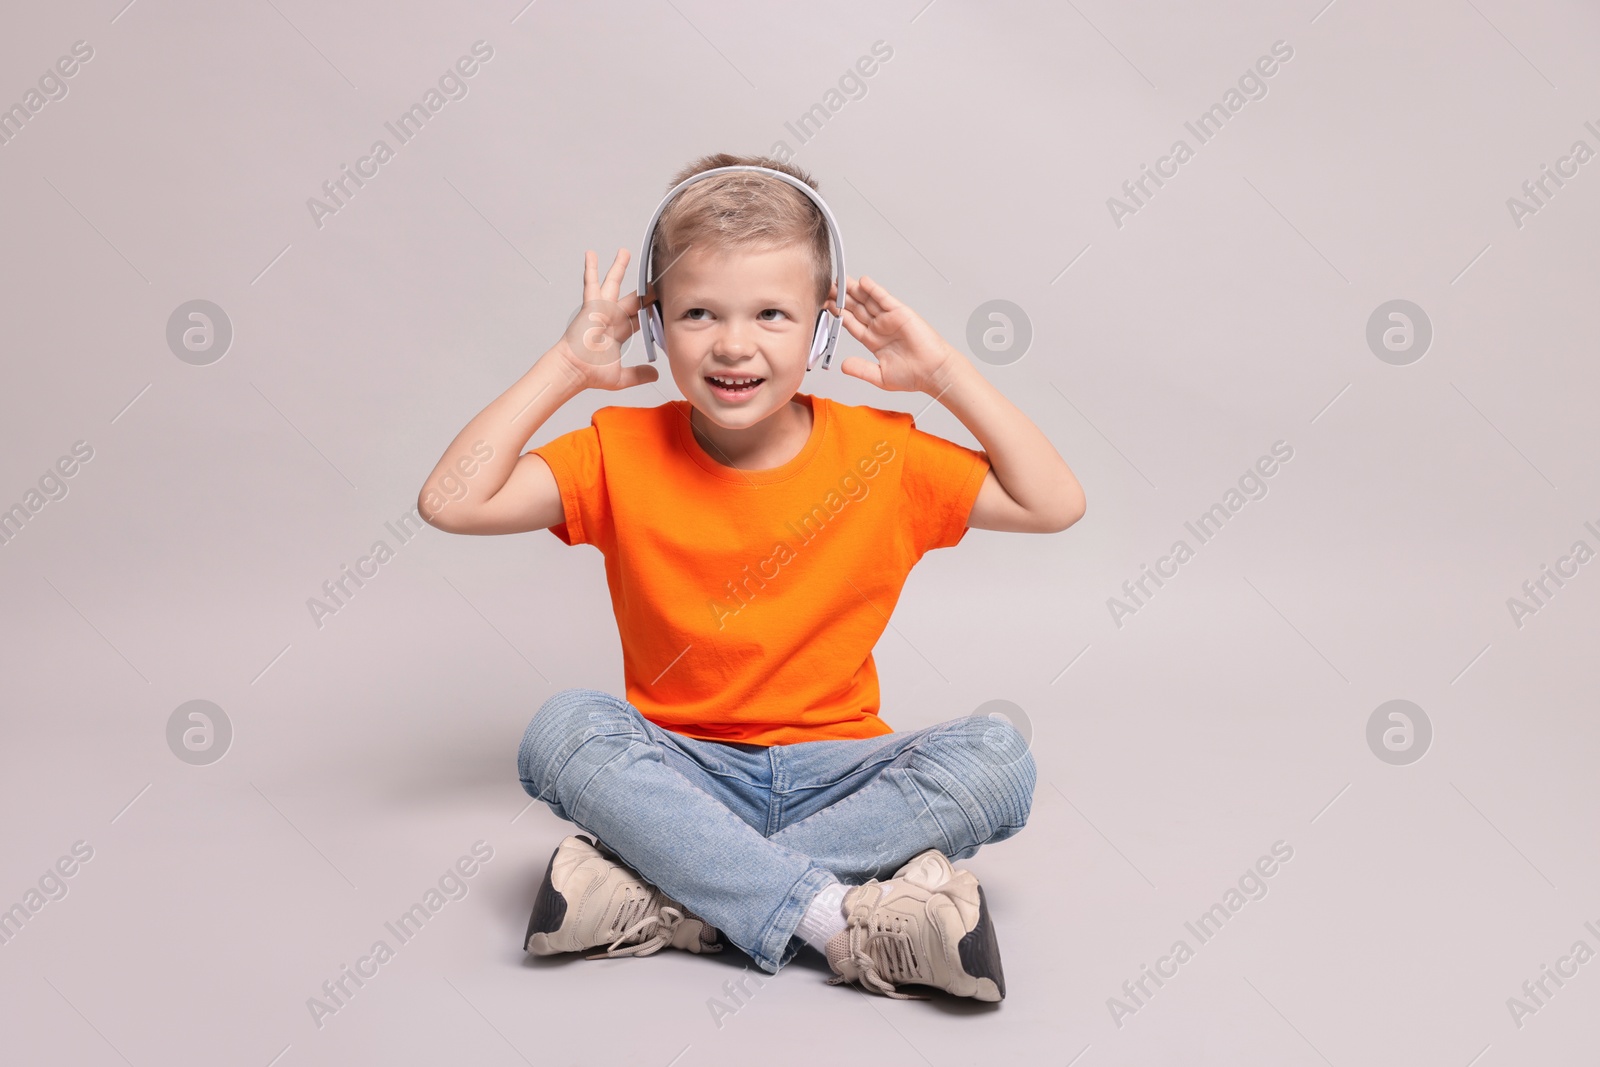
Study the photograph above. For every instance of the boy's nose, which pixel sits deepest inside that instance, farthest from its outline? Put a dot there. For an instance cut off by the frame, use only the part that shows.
(732, 340)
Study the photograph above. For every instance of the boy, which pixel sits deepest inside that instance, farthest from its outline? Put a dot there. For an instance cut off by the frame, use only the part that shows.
(755, 540)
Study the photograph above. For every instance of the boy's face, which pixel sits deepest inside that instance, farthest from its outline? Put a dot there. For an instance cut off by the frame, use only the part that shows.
(743, 314)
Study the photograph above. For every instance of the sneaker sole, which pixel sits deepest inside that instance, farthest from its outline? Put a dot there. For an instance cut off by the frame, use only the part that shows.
(549, 910)
(980, 956)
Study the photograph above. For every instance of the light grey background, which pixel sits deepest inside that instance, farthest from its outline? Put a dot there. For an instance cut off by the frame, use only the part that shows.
(1168, 354)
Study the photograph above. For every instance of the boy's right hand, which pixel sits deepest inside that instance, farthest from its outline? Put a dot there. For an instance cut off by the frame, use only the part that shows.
(591, 350)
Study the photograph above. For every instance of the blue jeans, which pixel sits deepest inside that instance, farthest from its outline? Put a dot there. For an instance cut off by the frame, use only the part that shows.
(745, 835)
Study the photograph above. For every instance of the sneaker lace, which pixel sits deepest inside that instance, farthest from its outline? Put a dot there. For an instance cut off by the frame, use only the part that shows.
(884, 956)
(641, 912)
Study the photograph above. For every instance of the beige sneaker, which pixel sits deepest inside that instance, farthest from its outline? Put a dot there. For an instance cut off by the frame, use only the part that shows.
(928, 925)
(590, 897)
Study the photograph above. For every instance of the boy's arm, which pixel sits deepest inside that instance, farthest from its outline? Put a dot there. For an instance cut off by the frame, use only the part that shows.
(483, 484)
(1029, 487)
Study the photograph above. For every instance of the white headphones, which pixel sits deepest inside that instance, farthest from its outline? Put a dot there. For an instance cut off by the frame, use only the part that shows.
(828, 324)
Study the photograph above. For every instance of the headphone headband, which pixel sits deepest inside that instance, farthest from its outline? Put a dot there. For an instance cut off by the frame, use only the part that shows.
(828, 324)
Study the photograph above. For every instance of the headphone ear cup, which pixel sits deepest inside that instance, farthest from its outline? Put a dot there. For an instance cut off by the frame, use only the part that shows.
(658, 332)
(819, 340)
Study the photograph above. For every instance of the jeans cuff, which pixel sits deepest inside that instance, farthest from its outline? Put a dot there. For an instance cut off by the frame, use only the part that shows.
(778, 945)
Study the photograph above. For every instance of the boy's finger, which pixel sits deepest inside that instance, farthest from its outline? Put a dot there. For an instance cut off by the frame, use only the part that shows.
(854, 325)
(878, 293)
(613, 282)
(864, 369)
(867, 293)
(863, 299)
(591, 279)
(639, 374)
(854, 304)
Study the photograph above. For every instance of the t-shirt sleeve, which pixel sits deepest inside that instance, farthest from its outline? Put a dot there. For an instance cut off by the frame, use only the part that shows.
(575, 460)
(938, 486)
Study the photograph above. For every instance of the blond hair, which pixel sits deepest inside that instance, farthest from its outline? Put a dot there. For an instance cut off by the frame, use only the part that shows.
(744, 211)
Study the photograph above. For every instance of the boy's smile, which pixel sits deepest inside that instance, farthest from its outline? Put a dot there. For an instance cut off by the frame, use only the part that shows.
(739, 324)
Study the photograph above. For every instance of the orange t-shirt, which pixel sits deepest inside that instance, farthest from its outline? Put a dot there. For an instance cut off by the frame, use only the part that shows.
(749, 602)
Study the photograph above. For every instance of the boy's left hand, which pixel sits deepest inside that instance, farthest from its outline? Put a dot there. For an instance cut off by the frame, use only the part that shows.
(911, 355)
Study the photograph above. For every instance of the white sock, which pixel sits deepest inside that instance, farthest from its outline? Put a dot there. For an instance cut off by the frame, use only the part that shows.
(824, 917)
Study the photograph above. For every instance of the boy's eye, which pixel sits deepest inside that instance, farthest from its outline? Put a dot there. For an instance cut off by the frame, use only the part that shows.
(693, 314)
(771, 311)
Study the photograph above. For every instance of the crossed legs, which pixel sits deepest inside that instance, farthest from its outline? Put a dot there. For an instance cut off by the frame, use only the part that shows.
(744, 837)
